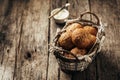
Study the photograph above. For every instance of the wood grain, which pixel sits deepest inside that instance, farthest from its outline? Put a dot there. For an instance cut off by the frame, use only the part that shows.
(108, 60)
(26, 58)
(33, 49)
(9, 38)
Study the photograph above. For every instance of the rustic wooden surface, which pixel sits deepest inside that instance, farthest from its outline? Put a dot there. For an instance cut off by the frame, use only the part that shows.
(26, 31)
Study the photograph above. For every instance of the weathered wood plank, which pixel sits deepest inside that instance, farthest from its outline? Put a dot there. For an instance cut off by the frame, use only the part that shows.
(54, 73)
(32, 53)
(118, 57)
(9, 38)
(108, 62)
(78, 7)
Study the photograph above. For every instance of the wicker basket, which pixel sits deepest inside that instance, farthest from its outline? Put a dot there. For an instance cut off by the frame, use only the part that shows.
(78, 63)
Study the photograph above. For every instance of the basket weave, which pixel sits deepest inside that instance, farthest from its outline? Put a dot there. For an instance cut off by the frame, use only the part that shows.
(78, 63)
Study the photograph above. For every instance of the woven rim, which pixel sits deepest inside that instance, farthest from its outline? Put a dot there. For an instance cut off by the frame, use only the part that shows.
(92, 52)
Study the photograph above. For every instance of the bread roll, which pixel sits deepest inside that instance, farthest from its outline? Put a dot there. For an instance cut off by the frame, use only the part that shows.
(81, 38)
(65, 41)
(91, 30)
(76, 51)
(93, 40)
(73, 26)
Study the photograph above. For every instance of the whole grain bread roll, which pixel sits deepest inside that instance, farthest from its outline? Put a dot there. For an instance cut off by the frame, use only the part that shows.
(65, 41)
(91, 30)
(77, 52)
(81, 38)
(73, 26)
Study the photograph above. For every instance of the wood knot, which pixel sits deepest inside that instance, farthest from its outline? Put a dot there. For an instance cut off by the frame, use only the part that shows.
(8, 50)
(28, 55)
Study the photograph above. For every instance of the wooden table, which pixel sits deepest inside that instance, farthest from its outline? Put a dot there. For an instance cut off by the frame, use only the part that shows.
(26, 31)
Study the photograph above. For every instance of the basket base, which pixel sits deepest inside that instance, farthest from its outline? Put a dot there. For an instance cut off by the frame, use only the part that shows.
(69, 71)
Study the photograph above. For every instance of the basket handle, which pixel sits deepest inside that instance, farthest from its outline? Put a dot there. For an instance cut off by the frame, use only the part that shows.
(98, 21)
